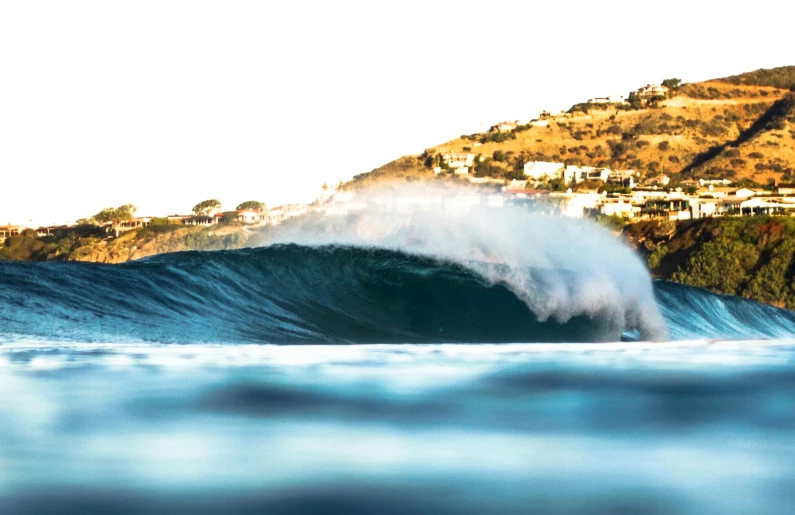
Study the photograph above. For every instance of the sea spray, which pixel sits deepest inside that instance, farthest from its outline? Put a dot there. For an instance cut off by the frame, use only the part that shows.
(560, 267)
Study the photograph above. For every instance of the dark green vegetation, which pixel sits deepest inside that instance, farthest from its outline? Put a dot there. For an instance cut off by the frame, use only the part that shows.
(250, 204)
(750, 256)
(206, 206)
(28, 246)
(113, 215)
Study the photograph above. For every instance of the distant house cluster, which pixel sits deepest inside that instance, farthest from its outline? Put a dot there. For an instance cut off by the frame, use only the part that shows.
(542, 170)
(644, 94)
(253, 217)
(638, 204)
(708, 200)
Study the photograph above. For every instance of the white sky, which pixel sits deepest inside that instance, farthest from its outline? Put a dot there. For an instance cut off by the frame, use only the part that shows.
(166, 103)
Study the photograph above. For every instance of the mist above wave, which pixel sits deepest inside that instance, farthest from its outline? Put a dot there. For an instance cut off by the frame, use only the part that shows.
(560, 267)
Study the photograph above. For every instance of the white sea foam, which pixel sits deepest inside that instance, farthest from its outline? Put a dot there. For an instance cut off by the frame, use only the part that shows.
(560, 267)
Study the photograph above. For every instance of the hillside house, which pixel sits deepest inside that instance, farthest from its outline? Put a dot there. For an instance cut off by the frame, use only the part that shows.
(54, 230)
(623, 177)
(714, 182)
(760, 206)
(785, 189)
(579, 174)
(459, 163)
(730, 205)
(659, 180)
(672, 208)
(607, 100)
(538, 170)
(618, 207)
(652, 91)
(704, 208)
(576, 174)
(504, 126)
(251, 216)
(206, 220)
(725, 191)
(576, 205)
(135, 223)
(599, 174)
(6, 231)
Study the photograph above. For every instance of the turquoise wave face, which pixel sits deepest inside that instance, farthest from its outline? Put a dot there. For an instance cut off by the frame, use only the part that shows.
(290, 294)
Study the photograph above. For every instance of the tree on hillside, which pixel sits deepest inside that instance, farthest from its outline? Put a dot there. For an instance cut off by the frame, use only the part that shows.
(116, 215)
(672, 83)
(254, 205)
(206, 206)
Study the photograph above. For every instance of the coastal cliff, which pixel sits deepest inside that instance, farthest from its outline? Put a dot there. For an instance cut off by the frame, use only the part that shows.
(752, 257)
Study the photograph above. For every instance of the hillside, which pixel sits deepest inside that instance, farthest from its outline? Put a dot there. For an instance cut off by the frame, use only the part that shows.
(738, 128)
(753, 257)
(132, 245)
(782, 77)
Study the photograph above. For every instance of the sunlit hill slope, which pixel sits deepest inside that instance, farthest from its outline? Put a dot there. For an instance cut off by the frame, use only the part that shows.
(738, 128)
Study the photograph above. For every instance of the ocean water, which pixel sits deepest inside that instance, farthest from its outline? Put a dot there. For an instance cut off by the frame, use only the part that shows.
(684, 427)
(305, 378)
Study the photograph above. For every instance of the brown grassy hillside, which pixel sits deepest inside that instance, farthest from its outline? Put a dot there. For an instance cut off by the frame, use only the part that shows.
(782, 77)
(739, 127)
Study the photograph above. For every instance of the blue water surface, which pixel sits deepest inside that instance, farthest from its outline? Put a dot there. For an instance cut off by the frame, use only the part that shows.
(686, 427)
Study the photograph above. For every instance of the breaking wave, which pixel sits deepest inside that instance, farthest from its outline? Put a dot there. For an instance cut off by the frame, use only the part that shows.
(295, 294)
(416, 266)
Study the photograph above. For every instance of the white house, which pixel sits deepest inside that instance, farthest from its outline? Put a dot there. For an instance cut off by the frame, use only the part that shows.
(607, 100)
(250, 216)
(504, 126)
(599, 174)
(659, 180)
(6, 231)
(576, 173)
(134, 223)
(576, 204)
(724, 191)
(617, 207)
(759, 206)
(714, 182)
(460, 163)
(703, 208)
(542, 169)
(652, 91)
(202, 220)
(585, 173)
